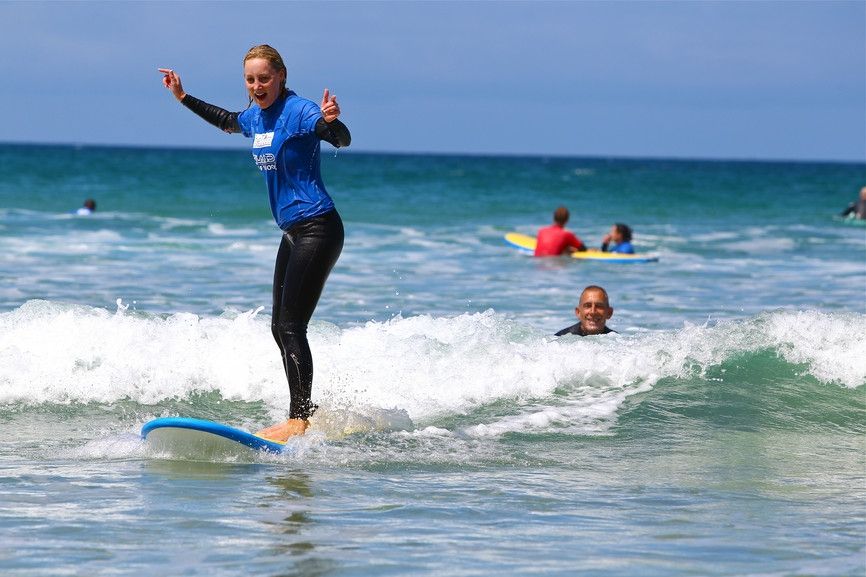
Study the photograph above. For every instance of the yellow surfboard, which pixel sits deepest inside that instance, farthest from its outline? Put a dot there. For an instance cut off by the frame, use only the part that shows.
(526, 243)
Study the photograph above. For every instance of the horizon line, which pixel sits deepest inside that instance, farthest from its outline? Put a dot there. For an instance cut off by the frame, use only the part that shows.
(596, 156)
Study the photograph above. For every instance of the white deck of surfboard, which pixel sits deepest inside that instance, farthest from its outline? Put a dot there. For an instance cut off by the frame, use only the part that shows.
(197, 439)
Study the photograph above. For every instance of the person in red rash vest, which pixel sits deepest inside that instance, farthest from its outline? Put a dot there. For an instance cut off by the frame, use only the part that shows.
(554, 240)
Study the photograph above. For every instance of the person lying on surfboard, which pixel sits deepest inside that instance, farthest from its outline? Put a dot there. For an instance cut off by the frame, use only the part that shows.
(554, 240)
(594, 311)
(857, 209)
(618, 239)
(89, 207)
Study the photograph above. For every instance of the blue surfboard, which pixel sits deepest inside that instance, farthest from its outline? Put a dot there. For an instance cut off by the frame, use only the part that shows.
(202, 439)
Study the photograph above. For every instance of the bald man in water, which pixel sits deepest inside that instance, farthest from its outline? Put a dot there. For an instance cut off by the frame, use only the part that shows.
(594, 311)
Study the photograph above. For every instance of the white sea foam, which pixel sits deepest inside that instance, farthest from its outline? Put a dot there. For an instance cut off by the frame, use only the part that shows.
(833, 346)
(64, 353)
(218, 229)
(118, 446)
(492, 374)
(763, 246)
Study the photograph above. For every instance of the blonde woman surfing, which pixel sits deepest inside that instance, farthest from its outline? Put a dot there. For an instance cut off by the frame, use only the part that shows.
(287, 131)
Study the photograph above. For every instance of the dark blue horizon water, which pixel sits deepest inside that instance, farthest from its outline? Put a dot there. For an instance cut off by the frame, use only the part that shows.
(720, 432)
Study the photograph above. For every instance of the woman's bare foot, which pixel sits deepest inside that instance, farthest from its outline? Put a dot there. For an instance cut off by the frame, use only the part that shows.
(282, 431)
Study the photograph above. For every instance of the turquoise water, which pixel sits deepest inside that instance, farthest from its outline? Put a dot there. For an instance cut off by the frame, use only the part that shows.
(721, 432)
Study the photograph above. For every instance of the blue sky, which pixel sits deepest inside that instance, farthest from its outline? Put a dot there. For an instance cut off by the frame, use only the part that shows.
(744, 80)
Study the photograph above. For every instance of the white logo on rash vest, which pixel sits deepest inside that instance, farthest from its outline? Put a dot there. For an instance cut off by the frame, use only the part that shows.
(266, 160)
(263, 140)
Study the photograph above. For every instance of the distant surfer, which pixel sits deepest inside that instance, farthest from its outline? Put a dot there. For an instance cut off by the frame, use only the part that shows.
(594, 311)
(857, 209)
(287, 131)
(618, 239)
(89, 207)
(554, 240)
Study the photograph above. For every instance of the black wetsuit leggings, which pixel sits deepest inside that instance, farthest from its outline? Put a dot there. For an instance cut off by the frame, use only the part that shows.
(307, 254)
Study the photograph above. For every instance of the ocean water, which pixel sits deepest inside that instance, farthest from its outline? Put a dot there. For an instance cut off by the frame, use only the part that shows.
(722, 431)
